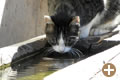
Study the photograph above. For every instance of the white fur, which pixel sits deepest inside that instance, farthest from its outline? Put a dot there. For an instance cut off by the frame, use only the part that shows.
(105, 4)
(61, 46)
(84, 31)
(48, 19)
(104, 28)
(46, 16)
(101, 29)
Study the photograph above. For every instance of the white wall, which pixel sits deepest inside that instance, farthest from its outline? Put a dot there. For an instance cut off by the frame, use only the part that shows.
(2, 5)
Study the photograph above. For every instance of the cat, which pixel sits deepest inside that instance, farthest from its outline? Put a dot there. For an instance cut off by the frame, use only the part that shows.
(77, 19)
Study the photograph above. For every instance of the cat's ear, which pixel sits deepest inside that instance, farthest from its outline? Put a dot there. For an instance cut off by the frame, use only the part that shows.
(48, 20)
(76, 19)
(49, 28)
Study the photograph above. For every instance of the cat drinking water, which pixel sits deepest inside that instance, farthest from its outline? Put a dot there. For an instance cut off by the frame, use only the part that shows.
(77, 19)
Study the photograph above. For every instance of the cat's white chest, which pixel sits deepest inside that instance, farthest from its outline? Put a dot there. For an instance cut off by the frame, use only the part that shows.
(60, 47)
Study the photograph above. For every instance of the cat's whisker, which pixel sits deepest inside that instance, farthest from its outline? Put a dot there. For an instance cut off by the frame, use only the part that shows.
(73, 44)
(48, 51)
(72, 52)
(76, 52)
(79, 51)
(52, 41)
(49, 41)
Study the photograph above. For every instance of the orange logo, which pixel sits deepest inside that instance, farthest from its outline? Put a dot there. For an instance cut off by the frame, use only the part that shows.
(109, 70)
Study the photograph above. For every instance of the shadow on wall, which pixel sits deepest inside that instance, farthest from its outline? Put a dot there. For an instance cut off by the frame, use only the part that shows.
(22, 20)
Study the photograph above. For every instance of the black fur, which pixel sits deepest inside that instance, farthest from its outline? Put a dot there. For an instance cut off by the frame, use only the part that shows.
(86, 9)
(62, 25)
(112, 11)
(65, 11)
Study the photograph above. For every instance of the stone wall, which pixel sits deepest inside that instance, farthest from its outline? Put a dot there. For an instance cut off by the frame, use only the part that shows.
(22, 20)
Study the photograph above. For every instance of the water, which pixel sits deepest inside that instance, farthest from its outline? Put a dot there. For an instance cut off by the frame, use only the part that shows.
(37, 71)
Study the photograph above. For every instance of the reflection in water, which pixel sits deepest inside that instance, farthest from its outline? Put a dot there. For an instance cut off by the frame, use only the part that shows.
(8, 74)
(45, 65)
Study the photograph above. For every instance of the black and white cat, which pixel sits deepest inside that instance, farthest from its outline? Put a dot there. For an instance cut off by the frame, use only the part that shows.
(76, 19)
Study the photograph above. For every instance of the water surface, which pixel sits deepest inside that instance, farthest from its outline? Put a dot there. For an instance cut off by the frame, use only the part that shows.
(29, 71)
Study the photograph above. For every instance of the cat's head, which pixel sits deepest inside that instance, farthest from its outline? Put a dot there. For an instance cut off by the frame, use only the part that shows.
(62, 33)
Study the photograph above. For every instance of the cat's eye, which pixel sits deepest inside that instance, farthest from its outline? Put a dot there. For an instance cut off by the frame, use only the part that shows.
(74, 28)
